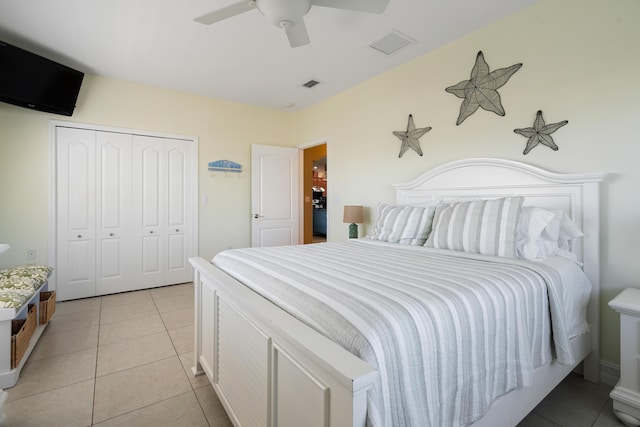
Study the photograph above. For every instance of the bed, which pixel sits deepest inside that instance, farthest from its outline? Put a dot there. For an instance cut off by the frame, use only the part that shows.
(274, 364)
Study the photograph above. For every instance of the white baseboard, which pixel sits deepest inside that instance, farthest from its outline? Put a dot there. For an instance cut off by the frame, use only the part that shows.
(609, 373)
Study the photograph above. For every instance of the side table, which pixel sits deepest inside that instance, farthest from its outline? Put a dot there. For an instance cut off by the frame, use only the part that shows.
(626, 394)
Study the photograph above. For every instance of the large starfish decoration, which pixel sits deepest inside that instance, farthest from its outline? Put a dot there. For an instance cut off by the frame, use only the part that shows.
(540, 133)
(410, 137)
(481, 89)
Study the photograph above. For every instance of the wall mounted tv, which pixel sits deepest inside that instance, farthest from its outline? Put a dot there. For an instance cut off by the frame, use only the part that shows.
(31, 81)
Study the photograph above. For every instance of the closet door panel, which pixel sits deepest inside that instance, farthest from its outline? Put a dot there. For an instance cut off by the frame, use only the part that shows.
(113, 213)
(178, 212)
(75, 213)
(149, 194)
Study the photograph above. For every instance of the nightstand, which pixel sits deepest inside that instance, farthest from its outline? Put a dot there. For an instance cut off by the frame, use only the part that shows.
(626, 394)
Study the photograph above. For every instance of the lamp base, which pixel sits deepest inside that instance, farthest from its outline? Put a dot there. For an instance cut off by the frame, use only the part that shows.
(353, 231)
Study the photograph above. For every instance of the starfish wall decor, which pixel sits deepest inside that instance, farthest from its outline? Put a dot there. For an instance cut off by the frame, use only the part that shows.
(481, 89)
(410, 137)
(540, 133)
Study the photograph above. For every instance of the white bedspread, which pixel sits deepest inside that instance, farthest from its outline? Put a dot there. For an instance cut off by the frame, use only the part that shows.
(448, 334)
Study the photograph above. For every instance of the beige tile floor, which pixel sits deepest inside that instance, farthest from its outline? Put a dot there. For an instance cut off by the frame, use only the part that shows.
(117, 360)
(125, 360)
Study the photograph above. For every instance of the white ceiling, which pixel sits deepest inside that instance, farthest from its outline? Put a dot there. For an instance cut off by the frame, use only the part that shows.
(244, 58)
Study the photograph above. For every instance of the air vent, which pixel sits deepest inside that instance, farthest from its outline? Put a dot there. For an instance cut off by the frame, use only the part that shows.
(392, 42)
(310, 84)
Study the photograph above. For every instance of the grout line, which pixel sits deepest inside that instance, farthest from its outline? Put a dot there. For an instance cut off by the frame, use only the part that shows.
(95, 371)
(150, 404)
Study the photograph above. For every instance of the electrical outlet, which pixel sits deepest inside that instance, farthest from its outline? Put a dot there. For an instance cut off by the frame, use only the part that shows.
(31, 254)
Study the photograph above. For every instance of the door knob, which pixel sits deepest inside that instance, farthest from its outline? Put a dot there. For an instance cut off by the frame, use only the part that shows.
(111, 234)
(256, 216)
(79, 236)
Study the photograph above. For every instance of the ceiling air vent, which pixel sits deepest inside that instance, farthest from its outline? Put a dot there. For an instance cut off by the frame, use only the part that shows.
(392, 42)
(310, 84)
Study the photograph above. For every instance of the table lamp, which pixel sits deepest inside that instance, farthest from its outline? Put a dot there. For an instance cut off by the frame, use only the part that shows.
(353, 215)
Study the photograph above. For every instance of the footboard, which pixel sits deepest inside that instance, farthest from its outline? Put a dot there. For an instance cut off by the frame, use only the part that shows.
(267, 367)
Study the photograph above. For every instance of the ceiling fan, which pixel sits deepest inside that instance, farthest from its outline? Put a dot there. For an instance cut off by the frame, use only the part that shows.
(289, 14)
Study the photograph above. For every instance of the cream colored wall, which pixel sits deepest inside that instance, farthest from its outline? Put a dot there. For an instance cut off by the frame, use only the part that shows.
(225, 131)
(581, 62)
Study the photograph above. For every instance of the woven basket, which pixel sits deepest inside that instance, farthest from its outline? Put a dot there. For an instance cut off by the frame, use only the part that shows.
(47, 306)
(32, 320)
(21, 332)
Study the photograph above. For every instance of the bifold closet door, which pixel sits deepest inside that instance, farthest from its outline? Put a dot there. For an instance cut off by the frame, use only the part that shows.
(179, 226)
(162, 211)
(114, 220)
(123, 212)
(94, 225)
(75, 213)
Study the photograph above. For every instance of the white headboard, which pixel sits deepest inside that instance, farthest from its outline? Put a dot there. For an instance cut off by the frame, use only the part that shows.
(578, 194)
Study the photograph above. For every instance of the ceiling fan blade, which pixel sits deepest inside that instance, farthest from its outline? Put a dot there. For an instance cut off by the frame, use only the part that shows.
(371, 6)
(226, 12)
(296, 32)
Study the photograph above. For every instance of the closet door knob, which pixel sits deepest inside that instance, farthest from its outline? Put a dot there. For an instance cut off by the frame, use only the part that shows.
(79, 236)
(111, 234)
(151, 232)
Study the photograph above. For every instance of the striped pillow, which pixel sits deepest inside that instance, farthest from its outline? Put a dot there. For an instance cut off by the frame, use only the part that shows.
(407, 225)
(479, 226)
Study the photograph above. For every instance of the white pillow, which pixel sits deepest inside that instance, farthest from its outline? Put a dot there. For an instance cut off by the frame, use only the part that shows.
(407, 225)
(543, 233)
(477, 226)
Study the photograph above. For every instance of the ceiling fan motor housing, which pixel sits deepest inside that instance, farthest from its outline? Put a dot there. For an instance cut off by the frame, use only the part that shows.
(283, 13)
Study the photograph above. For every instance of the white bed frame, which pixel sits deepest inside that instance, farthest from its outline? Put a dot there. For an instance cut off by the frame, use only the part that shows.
(270, 369)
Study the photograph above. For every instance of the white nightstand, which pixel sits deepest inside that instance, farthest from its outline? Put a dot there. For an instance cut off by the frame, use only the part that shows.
(626, 394)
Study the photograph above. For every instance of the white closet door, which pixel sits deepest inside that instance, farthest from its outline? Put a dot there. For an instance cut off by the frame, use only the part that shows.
(75, 213)
(149, 198)
(178, 224)
(114, 225)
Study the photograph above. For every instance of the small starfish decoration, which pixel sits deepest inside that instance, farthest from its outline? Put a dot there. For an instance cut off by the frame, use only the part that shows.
(481, 89)
(410, 137)
(540, 133)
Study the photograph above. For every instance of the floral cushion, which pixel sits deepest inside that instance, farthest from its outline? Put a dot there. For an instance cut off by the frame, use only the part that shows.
(18, 284)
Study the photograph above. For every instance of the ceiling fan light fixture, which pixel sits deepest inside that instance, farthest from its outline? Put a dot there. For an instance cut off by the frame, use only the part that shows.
(289, 14)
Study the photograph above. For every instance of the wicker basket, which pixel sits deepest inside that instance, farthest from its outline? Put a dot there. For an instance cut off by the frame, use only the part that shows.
(21, 332)
(32, 320)
(47, 306)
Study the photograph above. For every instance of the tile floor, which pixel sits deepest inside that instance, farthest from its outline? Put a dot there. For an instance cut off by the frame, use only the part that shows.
(117, 360)
(125, 360)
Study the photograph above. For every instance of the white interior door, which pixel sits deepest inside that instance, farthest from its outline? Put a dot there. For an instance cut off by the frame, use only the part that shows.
(115, 241)
(75, 213)
(274, 195)
(124, 212)
(178, 224)
(149, 194)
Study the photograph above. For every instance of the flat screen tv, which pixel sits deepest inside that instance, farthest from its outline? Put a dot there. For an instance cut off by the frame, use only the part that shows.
(31, 81)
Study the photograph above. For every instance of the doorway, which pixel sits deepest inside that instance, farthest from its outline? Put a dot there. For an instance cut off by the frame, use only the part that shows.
(315, 194)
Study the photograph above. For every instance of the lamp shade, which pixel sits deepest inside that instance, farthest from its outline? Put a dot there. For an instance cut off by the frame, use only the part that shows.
(353, 215)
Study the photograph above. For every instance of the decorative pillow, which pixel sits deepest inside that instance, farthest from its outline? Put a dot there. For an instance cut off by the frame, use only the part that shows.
(478, 226)
(544, 233)
(407, 225)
